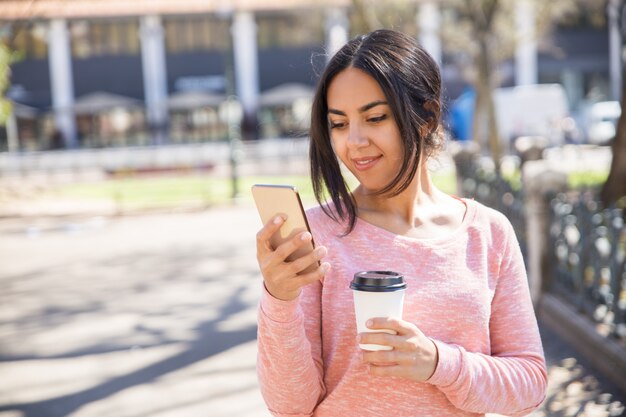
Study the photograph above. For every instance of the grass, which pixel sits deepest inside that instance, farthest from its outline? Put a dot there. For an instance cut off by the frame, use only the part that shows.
(201, 190)
(575, 180)
(590, 179)
(173, 191)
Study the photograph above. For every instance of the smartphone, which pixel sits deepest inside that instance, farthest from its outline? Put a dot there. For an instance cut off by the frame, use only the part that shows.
(272, 200)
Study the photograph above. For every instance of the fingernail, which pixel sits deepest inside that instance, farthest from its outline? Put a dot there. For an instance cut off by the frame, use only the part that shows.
(305, 236)
(369, 323)
(325, 267)
(320, 252)
(278, 220)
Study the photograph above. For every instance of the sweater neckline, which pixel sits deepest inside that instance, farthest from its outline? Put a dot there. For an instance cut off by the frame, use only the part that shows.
(470, 213)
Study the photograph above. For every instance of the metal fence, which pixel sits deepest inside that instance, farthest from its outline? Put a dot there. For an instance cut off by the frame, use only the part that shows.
(276, 153)
(586, 244)
(480, 181)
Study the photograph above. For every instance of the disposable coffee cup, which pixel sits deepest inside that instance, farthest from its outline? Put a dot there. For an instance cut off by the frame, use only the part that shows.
(377, 294)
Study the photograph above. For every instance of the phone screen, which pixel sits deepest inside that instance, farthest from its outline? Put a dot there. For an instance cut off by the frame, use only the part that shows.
(272, 200)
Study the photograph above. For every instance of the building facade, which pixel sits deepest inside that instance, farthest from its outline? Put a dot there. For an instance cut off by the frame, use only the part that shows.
(86, 64)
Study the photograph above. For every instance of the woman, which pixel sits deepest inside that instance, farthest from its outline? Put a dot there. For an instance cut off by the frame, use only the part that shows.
(468, 343)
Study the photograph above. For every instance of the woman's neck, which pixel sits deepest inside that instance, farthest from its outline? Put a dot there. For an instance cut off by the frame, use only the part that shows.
(421, 210)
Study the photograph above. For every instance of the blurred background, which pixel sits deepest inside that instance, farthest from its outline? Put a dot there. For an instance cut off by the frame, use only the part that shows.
(131, 132)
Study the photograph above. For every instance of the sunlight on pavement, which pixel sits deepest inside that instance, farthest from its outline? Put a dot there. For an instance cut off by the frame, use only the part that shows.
(155, 316)
(573, 392)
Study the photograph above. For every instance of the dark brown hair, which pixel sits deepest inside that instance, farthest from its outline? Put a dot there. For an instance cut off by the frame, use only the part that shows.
(411, 82)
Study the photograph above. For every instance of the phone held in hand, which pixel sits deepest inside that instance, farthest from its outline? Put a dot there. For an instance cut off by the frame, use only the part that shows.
(272, 200)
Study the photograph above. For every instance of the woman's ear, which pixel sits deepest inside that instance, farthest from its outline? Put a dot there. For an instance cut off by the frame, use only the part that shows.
(432, 115)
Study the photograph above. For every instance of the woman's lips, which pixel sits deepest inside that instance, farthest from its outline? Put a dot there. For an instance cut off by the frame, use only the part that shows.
(365, 163)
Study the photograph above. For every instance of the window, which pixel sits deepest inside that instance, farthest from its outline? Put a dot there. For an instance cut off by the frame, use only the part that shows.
(100, 38)
(584, 14)
(196, 33)
(401, 16)
(29, 39)
(295, 29)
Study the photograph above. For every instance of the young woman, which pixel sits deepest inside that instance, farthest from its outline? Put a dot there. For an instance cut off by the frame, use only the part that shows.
(468, 343)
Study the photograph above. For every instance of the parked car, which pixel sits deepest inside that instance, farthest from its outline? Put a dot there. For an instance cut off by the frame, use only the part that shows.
(602, 120)
(539, 110)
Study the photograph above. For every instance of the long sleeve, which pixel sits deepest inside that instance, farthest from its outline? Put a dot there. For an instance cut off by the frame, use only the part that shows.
(512, 380)
(467, 291)
(289, 363)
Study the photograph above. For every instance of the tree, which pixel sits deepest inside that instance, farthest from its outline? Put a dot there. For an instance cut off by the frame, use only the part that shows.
(484, 34)
(7, 57)
(483, 15)
(614, 189)
(481, 34)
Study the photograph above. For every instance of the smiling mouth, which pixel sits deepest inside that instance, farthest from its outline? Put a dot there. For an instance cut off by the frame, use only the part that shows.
(365, 163)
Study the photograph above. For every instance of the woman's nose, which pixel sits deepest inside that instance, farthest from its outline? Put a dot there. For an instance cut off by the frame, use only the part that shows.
(356, 136)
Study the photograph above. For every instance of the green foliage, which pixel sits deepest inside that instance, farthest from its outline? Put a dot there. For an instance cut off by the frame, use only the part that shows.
(174, 191)
(587, 179)
(196, 190)
(5, 71)
(7, 57)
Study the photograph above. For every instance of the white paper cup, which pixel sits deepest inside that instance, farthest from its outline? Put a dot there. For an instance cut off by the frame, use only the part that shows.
(377, 294)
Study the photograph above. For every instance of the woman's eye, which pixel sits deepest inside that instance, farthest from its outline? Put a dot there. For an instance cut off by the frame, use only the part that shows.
(337, 125)
(377, 119)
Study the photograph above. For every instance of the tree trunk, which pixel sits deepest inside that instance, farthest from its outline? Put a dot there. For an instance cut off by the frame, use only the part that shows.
(493, 137)
(479, 131)
(485, 130)
(614, 188)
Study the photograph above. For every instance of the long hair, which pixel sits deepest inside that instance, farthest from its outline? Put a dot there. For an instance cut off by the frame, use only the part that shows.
(411, 82)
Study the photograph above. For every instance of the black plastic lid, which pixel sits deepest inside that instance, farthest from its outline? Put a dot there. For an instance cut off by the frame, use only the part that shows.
(378, 281)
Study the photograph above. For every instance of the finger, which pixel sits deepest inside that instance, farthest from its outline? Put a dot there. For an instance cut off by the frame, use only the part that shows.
(377, 338)
(311, 277)
(379, 357)
(397, 357)
(305, 261)
(392, 323)
(413, 370)
(294, 284)
(266, 232)
(285, 249)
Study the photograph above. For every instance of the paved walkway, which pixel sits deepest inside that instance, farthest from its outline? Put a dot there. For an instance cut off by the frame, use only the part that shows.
(154, 316)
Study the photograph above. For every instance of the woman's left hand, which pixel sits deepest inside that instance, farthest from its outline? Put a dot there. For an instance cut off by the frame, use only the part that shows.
(413, 356)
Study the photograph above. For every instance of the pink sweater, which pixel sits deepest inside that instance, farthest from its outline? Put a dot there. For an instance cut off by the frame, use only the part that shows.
(468, 292)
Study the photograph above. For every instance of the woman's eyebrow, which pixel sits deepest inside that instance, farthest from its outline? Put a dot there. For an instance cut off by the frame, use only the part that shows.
(362, 109)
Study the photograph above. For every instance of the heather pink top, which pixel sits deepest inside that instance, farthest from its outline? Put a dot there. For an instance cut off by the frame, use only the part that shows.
(467, 291)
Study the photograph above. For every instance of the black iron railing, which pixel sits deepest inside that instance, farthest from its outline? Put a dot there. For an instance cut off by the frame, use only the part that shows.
(481, 182)
(588, 245)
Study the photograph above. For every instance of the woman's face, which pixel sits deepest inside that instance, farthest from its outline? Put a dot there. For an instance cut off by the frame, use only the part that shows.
(363, 131)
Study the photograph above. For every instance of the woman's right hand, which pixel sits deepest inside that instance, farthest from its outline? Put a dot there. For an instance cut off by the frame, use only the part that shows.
(281, 276)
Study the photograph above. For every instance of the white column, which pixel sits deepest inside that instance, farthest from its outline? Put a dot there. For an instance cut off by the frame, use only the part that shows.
(12, 135)
(615, 49)
(526, 50)
(573, 83)
(154, 74)
(429, 23)
(246, 61)
(61, 80)
(336, 31)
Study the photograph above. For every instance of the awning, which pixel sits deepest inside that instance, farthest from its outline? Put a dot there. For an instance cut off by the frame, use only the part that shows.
(101, 101)
(23, 111)
(188, 100)
(285, 94)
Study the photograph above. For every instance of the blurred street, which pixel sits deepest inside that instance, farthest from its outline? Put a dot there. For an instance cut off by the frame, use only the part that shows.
(143, 316)
(155, 315)
(130, 133)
